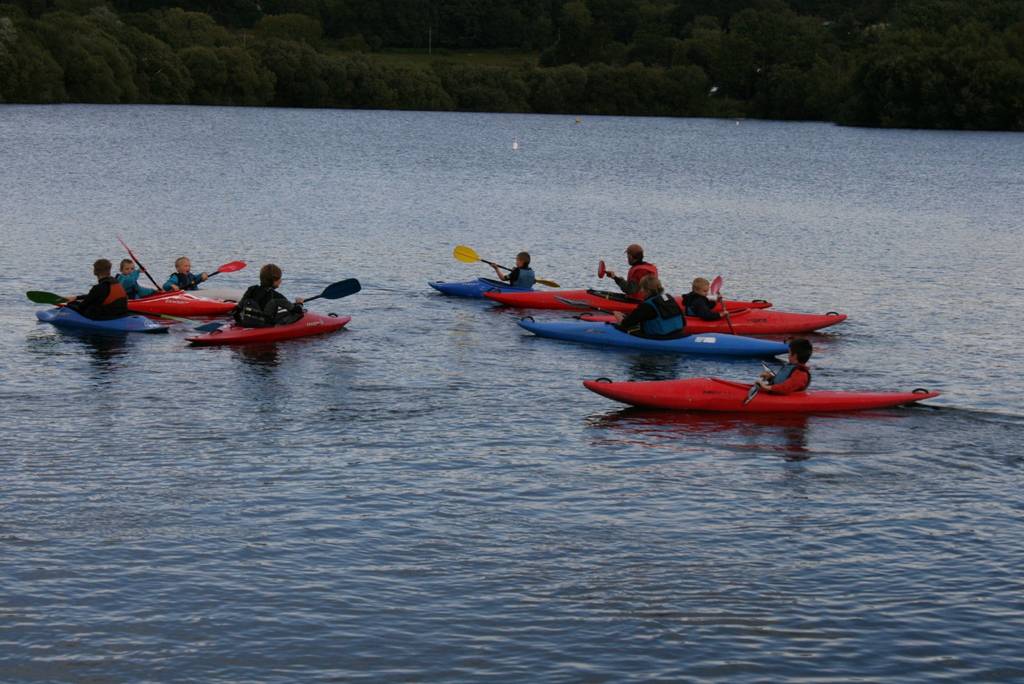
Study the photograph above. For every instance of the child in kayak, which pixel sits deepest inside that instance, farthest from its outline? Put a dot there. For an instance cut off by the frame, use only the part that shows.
(638, 270)
(520, 276)
(263, 306)
(183, 278)
(696, 303)
(658, 317)
(129, 279)
(794, 376)
(106, 300)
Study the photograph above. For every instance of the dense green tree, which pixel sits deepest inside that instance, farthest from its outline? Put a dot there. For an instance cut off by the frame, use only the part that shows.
(297, 27)
(928, 63)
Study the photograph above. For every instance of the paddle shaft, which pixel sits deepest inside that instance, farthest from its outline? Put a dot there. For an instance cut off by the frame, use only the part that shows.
(141, 267)
(576, 303)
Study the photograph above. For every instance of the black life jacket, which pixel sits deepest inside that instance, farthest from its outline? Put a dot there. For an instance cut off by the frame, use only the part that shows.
(253, 310)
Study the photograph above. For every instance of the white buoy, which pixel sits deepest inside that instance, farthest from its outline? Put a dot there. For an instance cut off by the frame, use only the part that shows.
(515, 144)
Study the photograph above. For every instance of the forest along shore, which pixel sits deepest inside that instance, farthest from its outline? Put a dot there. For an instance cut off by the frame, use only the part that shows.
(917, 63)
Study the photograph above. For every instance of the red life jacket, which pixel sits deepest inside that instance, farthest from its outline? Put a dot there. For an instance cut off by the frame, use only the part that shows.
(638, 272)
(116, 293)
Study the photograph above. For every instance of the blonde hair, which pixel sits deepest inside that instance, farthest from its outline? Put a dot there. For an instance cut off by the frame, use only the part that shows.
(699, 283)
(651, 283)
(177, 262)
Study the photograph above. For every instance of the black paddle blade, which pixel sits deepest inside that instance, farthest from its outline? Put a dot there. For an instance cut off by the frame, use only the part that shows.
(209, 327)
(575, 303)
(40, 297)
(342, 288)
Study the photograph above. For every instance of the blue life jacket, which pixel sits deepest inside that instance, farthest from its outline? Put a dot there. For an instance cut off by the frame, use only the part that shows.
(669, 318)
(524, 278)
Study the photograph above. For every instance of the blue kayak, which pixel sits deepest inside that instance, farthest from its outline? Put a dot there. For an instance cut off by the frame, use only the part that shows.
(72, 320)
(606, 334)
(475, 288)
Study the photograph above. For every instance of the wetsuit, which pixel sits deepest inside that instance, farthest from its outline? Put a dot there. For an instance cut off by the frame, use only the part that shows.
(186, 281)
(699, 306)
(262, 307)
(657, 318)
(631, 283)
(792, 377)
(106, 301)
(131, 286)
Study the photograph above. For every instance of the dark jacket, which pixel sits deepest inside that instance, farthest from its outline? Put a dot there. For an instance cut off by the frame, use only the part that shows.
(700, 307)
(262, 307)
(106, 301)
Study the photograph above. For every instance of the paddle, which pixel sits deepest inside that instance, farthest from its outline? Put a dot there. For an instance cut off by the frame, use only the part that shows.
(141, 267)
(601, 269)
(468, 255)
(755, 388)
(342, 288)
(229, 267)
(40, 297)
(716, 289)
(580, 304)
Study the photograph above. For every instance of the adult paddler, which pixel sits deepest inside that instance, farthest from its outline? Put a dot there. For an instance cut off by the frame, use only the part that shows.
(638, 270)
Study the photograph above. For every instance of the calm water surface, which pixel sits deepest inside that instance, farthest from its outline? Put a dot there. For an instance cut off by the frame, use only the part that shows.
(431, 495)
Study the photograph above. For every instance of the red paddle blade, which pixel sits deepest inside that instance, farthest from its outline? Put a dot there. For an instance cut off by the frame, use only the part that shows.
(600, 269)
(231, 267)
(716, 285)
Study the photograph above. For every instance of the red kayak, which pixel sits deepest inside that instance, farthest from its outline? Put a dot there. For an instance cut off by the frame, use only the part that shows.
(752, 322)
(714, 394)
(310, 324)
(610, 301)
(179, 304)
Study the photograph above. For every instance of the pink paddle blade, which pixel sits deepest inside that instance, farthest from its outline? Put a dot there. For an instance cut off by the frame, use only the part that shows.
(600, 269)
(716, 285)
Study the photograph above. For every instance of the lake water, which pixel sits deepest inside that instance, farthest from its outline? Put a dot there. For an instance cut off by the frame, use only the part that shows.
(431, 495)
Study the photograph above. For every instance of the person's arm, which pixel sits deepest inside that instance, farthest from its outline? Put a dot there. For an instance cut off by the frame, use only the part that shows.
(627, 286)
(497, 271)
(280, 303)
(643, 312)
(96, 295)
(172, 283)
(513, 276)
(796, 382)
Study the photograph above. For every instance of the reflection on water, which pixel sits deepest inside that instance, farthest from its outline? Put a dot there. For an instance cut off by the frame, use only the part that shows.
(784, 434)
(258, 356)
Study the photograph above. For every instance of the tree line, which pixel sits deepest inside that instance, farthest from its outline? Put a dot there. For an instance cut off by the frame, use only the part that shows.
(911, 63)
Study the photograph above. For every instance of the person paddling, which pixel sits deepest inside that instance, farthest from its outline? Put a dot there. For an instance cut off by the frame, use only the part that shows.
(520, 276)
(638, 270)
(183, 278)
(696, 303)
(794, 376)
(658, 317)
(262, 306)
(129, 279)
(106, 300)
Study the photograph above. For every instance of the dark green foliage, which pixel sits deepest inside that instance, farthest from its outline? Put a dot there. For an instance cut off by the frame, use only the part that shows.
(921, 63)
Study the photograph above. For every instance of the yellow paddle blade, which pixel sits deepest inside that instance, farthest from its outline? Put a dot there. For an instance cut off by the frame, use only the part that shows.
(549, 283)
(465, 254)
